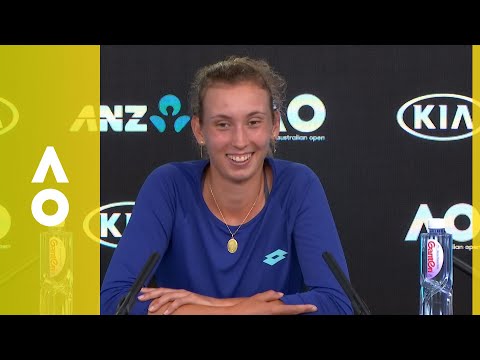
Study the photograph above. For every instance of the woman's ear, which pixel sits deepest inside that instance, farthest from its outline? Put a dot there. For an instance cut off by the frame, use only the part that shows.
(276, 124)
(197, 129)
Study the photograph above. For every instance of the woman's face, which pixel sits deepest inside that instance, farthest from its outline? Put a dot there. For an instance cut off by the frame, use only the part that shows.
(237, 128)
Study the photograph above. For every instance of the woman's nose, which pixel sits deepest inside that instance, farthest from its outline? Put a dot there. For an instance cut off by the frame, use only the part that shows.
(240, 138)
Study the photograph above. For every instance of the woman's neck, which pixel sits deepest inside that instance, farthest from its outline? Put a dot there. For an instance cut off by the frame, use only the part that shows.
(233, 199)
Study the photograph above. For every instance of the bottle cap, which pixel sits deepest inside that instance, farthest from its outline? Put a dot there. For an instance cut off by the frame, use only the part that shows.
(436, 223)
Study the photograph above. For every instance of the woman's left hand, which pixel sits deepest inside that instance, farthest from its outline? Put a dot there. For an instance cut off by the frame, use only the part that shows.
(176, 298)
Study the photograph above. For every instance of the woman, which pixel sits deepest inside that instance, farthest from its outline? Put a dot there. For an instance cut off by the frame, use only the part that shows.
(241, 232)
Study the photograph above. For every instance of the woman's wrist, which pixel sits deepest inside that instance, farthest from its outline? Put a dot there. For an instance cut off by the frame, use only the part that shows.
(227, 302)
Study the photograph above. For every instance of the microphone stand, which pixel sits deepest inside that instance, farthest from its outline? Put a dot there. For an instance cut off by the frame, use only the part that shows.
(127, 302)
(359, 306)
(463, 266)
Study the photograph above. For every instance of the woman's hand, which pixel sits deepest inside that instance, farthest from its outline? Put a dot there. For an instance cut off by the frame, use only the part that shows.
(176, 298)
(266, 303)
(269, 303)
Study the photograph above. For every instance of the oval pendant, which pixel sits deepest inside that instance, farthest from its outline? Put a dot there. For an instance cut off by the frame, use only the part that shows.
(232, 245)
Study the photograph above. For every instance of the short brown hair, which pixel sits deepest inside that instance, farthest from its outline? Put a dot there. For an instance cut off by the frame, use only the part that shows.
(233, 70)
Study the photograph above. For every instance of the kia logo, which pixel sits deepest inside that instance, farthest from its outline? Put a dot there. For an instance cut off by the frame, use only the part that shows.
(438, 117)
(109, 222)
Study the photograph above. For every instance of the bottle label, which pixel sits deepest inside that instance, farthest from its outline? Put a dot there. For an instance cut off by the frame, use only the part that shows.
(434, 258)
(57, 256)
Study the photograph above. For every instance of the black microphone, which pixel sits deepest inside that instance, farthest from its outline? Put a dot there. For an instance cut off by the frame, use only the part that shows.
(359, 306)
(125, 305)
(467, 269)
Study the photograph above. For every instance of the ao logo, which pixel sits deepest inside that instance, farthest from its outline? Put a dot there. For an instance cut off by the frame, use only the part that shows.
(12, 121)
(424, 213)
(438, 117)
(293, 113)
(109, 222)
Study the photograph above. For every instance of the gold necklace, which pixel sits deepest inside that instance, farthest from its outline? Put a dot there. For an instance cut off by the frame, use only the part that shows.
(232, 244)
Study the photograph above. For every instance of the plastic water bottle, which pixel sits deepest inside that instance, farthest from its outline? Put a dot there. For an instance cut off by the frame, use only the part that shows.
(56, 271)
(436, 270)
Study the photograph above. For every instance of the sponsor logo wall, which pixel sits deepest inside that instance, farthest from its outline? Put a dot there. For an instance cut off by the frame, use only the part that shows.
(387, 129)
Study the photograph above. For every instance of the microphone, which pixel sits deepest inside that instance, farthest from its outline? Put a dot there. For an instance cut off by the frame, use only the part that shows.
(359, 306)
(125, 305)
(467, 269)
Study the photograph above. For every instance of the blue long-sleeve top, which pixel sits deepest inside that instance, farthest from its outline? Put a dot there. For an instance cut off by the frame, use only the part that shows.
(280, 248)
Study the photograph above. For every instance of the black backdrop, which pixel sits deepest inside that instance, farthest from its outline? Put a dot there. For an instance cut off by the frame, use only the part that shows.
(376, 174)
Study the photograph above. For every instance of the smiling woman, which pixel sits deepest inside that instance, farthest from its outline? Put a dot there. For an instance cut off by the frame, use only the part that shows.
(239, 232)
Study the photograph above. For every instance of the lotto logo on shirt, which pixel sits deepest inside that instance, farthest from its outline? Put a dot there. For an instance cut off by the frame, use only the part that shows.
(274, 257)
(166, 117)
(114, 218)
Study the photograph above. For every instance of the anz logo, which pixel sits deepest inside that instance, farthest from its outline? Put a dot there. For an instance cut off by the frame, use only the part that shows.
(174, 103)
(132, 118)
(438, 117)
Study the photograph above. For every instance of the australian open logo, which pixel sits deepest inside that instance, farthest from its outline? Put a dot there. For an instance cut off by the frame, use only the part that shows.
(8, 116)
(114, 218)
(306, 113)
(438, 117)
